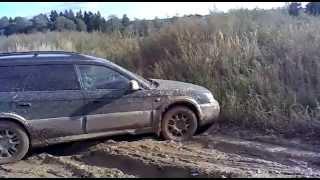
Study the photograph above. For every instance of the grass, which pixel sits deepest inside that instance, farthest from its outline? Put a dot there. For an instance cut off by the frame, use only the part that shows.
(263, 66)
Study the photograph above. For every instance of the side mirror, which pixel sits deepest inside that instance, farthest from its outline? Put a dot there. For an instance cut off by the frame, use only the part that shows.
(134, 85)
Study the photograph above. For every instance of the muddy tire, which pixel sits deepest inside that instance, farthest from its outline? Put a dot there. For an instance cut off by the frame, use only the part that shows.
(14, 142)
(179, 124)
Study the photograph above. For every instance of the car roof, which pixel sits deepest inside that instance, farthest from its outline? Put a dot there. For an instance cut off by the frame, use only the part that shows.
(47, 57)
(57, 57)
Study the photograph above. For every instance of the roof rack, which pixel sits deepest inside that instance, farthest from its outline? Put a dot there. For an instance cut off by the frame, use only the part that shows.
(10, 55)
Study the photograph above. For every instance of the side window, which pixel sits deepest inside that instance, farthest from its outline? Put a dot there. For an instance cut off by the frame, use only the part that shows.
(51, 78)
(12, 78)
(100, 77)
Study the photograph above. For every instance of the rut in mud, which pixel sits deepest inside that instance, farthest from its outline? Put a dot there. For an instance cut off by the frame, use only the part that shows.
(144, 156)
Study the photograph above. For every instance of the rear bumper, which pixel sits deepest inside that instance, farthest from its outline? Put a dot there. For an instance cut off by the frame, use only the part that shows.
(209, 112)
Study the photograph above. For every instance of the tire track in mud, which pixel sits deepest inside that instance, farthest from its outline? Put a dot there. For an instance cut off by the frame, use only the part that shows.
(204, 156)
(275, 153)
(291, 161)
(31, 168)
(79, 169)
(149, 158)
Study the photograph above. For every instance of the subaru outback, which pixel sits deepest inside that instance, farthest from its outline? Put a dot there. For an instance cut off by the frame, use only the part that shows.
(49, 97)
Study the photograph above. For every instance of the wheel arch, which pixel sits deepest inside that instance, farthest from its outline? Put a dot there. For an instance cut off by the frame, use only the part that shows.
(20, 121)
(187, 102)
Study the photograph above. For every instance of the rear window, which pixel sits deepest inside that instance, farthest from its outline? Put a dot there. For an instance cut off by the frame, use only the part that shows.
(38, 78)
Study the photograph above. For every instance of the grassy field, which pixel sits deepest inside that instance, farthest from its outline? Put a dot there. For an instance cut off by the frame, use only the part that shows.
(262, 66)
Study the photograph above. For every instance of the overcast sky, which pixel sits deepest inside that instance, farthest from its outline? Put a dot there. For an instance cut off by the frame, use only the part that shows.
(141, 10)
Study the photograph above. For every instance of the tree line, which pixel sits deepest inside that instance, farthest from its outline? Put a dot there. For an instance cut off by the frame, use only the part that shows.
(88, 21)
(312, 8)
(79, 21)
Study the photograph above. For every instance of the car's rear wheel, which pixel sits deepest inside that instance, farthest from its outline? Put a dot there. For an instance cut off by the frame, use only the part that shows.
(14, 142)
(179, 124)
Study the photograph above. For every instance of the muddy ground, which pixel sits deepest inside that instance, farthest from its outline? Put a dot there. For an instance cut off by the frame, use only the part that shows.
(213, 153)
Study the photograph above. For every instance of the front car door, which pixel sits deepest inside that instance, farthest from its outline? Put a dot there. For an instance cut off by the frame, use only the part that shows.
(110, 105)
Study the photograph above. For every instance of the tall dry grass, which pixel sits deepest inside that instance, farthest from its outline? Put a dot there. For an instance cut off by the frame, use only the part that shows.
(262, 66)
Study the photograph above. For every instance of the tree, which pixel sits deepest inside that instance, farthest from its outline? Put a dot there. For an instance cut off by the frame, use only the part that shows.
(69, 14)
(18, 25)
(145, 27)
(63, 23)
(89, 20)
(66, 13)
(142, 27)
(85, 17)
(313, 8)
(113, 24)
(10, 29)
(81, 26)
(104, 25)
(294, 8)
(135, 26)
(157, 23)
(53, 16)
(4, 22)
(125, 21)
(79, 15)
(21, 24)
(96, 21)
(40, 22)
(10, 20)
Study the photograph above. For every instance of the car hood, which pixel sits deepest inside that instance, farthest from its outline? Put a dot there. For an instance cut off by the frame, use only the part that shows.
(178, 85)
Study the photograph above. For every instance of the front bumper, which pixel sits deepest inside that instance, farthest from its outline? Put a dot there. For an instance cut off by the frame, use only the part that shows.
(209, 112)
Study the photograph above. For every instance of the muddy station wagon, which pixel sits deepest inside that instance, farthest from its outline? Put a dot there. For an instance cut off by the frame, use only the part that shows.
(52, 97)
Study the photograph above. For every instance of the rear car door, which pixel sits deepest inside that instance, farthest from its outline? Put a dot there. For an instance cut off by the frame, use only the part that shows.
(110, 105)
(50, 98)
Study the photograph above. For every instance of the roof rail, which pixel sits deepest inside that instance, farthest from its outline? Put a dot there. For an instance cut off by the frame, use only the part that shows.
(36, 54)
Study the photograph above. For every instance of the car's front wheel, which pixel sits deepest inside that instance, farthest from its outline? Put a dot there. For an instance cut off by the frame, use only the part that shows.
(179, 123)
(14, 142)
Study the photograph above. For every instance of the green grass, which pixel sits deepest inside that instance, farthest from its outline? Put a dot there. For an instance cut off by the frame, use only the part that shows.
(262, 66)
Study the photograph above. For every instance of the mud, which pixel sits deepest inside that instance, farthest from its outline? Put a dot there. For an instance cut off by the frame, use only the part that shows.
(207, 155)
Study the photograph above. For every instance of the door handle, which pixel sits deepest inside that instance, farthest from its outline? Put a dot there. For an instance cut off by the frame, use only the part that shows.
(97, 101)
(24, 104)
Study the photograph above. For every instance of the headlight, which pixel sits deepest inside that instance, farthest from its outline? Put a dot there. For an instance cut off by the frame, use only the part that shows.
(210, 97)
(204, 98)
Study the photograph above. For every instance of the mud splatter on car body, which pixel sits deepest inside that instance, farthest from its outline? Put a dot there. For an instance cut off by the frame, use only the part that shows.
(53, 116)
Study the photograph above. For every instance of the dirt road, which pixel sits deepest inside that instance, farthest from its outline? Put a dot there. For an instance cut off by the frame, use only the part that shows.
(218, 155)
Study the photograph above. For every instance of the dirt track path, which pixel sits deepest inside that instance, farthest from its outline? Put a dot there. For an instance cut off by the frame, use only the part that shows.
(204, 156)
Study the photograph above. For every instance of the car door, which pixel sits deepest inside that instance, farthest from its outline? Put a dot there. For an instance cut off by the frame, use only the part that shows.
(110, 105)
(50, 99)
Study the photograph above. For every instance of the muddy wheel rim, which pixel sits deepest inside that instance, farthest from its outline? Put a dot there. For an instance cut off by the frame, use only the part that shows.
(180, 124)
(8, 143)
